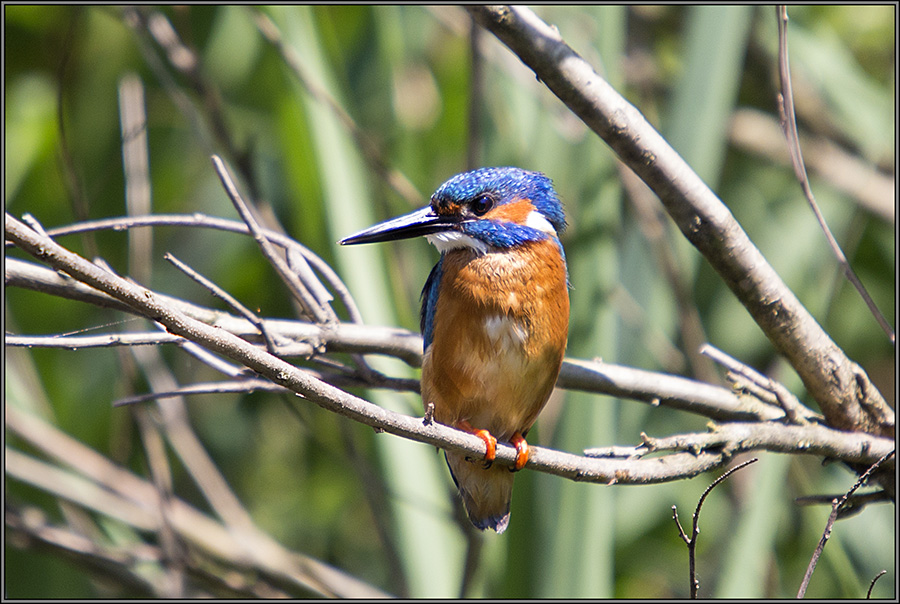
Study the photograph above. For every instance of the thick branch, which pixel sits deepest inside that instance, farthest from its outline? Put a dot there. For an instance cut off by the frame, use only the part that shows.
(842, 389)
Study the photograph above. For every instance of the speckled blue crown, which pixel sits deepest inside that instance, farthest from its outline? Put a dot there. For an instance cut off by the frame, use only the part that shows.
(510, 184)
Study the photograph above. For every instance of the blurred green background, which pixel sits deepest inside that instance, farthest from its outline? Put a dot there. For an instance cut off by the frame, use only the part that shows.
(404, 77)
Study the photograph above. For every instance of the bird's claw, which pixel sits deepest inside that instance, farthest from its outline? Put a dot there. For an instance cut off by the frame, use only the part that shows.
(490, 443)
(518, 441)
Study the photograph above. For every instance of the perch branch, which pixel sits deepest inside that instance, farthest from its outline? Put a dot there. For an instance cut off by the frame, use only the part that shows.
(149, 304)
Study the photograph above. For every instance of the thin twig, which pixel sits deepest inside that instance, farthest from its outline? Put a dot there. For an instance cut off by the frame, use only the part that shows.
(209, 359)
(297, 263)
(227, 298)
(872, 584)
(692, 540)
(202, 220)
(99, 341)
(836, 506)
(789, 125)
(321, 314)
(854, 504)
(248, 385)
(33, 222)
(795, 411)
(238, 386)
(729, 439)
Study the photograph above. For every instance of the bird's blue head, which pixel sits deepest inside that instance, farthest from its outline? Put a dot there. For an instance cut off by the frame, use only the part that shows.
(482, 209)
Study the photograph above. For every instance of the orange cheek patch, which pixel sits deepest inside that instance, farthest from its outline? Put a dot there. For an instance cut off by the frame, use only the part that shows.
(515, 211)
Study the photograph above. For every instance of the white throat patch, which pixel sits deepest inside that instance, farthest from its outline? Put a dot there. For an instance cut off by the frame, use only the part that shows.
(452, 240)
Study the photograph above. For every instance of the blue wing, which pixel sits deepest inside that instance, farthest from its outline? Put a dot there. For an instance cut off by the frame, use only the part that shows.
(429, 302)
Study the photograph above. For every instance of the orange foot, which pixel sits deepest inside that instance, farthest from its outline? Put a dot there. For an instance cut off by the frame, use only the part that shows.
(490, 442)
(518, 441)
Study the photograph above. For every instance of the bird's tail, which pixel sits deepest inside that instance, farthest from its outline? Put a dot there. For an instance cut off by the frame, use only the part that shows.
(486, 493)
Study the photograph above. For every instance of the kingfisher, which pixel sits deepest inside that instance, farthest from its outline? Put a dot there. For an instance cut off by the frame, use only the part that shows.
(494, 318)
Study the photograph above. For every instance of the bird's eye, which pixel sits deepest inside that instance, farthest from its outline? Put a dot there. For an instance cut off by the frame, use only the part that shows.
(482, 204)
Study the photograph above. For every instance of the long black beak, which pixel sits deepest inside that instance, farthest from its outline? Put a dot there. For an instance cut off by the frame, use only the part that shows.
(415, 224)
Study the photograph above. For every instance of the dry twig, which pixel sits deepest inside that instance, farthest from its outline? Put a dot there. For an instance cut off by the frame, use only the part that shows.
(695, 532)
(836, 506)
(789, 125)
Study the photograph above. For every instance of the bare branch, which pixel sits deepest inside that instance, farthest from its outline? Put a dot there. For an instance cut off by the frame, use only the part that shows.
(237, 386)
(843, 390)
(99, 341)
(222, 224)
(662, 389)
(738, 437)
(650, 387)
(340, 337)
(855, 504)
(303, 383)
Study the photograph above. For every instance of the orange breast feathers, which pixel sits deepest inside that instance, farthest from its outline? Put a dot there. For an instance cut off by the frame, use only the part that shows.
(500, 330)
